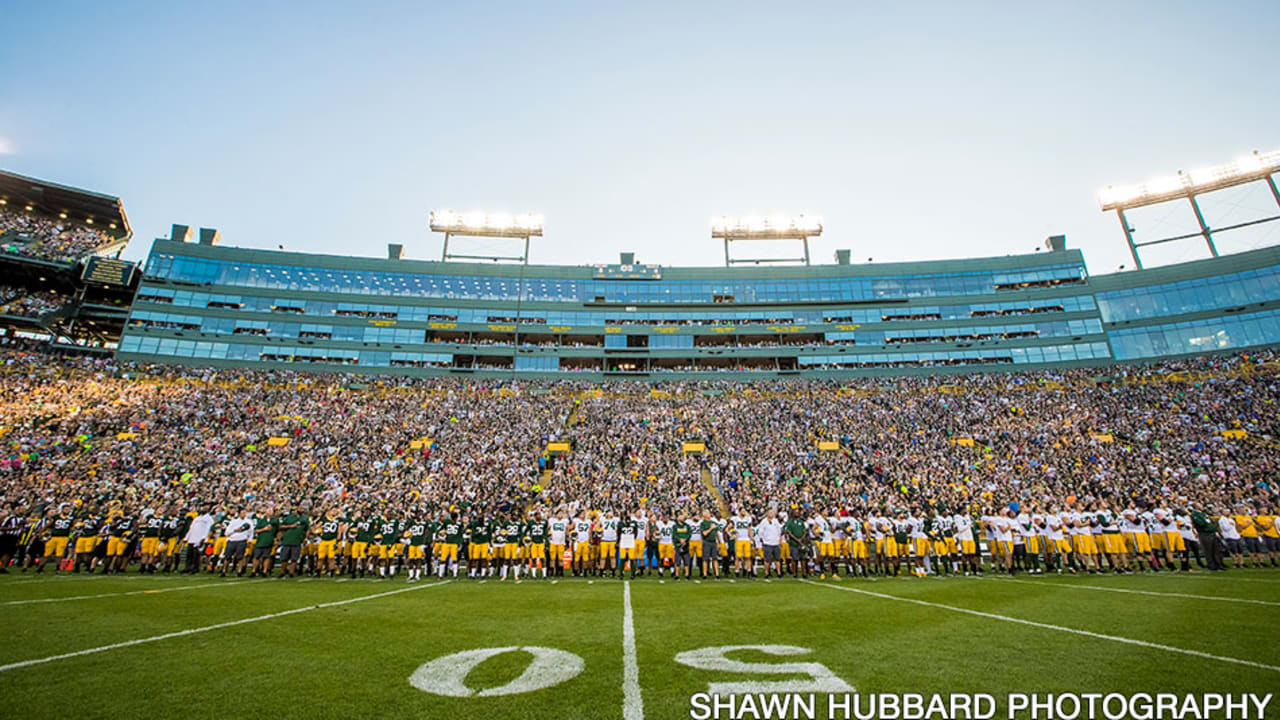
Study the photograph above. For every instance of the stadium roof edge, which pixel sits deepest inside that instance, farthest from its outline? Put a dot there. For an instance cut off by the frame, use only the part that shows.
(327, 260)
(65, 198)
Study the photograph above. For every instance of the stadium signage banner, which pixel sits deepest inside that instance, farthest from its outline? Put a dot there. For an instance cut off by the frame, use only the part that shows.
(628, 272)
(107, 271)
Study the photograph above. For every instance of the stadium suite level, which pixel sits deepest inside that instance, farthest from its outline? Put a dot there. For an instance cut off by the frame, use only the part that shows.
(211, 305)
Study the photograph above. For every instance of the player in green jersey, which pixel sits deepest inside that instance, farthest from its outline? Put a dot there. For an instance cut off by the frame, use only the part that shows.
(480, 531)
(535, 545)
(415, 553)
(513, 529)
(387, 540)
(450, 534)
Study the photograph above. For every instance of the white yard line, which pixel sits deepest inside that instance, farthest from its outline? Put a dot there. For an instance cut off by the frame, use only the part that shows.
(207, 628)
(632, 702)
(154, 591)
(1205, 575)
(64, 577)
(1156, 593)
(1047, 626)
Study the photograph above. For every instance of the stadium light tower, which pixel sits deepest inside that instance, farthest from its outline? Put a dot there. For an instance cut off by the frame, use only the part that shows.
(773, 227)
(1250, 168)
(491, 225)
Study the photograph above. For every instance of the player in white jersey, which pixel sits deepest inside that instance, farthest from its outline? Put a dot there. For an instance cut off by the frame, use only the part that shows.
(645, 553)
(608, 544)
(1003, 525)
(856, 539)
(839, 544)
(919, 543)
(897, 544)
(967, 543)
(1030, 542)
(666, 545)
(942, 541)
(1137, 544)
(740, 525)
(557, 537)
(820, 532)
(1082, 540)
(875, 543)
(581, 545)
(1173, 545)
(1050, 531)
(1189, 539)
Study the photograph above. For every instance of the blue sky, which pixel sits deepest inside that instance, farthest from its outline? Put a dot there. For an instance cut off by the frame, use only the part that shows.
(917, 130)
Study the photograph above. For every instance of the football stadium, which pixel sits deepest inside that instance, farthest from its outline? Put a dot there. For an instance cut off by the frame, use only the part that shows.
(449, 480)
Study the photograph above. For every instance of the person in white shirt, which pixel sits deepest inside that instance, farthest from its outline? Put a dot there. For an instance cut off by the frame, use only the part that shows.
(770, 533)
(1231, 537)
(197, 535)
(238, 531)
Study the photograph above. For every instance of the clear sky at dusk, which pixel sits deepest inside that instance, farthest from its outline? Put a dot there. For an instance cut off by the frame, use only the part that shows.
(917, 130)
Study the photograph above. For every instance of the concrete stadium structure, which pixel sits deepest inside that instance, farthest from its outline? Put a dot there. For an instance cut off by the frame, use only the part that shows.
(201, 303)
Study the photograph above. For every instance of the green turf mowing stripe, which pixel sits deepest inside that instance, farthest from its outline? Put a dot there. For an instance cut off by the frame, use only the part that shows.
(1156, 593)
(151, 591)
(1048, 626)
(207, 628)
(632, 701)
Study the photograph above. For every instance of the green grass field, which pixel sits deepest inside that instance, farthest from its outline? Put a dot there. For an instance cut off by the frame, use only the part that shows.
(160, 647)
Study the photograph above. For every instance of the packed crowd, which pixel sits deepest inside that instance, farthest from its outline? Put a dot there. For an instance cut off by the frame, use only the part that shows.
(1161, 466)
(27, 303)
(47, 238)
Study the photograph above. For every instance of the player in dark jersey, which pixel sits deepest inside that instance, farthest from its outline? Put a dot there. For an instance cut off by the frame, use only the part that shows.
(450, 540)
(149, 529)
(497, 545)
(12, 521)
(535, 543)
(59, 530)
(171, 533)
(419, 539)
(360, 547)
(388, 544)
(478, 547)
(120, 541)
(87, 540)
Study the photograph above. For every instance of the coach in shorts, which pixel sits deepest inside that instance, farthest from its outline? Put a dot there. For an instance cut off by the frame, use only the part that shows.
(293, 529)
(238, 531)
(770, 533)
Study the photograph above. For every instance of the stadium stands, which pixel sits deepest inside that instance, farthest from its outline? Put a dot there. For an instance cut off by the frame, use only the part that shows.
(110, 438)
(25, 233)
